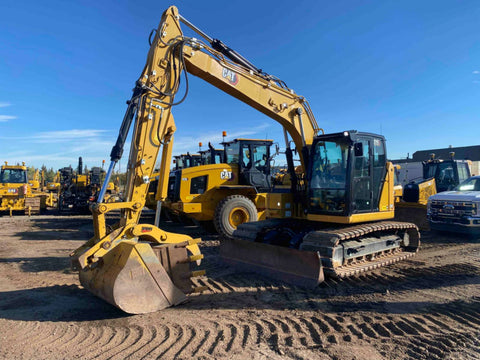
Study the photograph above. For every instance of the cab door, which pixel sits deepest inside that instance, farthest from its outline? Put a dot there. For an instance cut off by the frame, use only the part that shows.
(254, 165)
(362, 184)
(369, 168)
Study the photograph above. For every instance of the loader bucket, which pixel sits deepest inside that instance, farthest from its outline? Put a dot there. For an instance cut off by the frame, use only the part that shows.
(414, 213)
(301, 268)
(132, 278)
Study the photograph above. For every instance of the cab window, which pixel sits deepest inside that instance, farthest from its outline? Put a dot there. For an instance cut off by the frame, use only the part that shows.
(13, 176)
(260, 157)
(463, 172)
(232, 151)
(246, 157)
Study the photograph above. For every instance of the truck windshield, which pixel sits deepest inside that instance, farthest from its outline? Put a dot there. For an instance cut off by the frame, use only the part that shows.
(13, 176)
(472, 184)
(328, 177)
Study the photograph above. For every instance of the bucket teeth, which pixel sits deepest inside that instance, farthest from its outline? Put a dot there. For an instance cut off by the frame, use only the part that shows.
(197, 273)
(189, 242)
(195, 258)
(199, 289)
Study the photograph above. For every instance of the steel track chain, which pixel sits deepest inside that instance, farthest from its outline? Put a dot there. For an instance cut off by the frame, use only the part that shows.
(326, 240)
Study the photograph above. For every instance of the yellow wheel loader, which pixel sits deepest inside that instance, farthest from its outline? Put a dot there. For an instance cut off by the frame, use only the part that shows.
(184, 161)
(335, 221)
(228, 193)
(438, 176)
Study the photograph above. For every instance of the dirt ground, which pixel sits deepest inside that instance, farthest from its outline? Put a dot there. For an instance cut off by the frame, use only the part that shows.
(424, 308)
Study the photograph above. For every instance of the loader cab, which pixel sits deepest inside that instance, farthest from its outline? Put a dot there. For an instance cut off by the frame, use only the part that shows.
(253, 159)
(212, 155)
(447, 173)
(178, 161)
(187, 160)
(193, 160)
(346, 173)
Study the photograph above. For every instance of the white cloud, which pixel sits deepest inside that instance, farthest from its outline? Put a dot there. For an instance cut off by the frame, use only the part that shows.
(4, 118)
(475, 72)
(63, 147)
(60, 148)
(61, 135)
(67, 135)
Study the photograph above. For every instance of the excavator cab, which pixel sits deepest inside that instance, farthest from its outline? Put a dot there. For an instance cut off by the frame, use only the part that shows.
(346, 173)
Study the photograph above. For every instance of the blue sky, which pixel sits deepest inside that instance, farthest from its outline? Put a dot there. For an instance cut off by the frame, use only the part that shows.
(409, 70)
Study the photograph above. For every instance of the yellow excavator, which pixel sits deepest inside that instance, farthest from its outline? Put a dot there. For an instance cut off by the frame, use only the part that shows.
(54, 185)
(335, 221)
(37, 181)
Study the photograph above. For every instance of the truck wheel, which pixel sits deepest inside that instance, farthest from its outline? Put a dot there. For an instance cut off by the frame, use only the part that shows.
(231, 212)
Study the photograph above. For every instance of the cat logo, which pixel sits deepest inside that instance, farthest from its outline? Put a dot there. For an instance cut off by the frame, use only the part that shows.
(230, 76)
(226, 175)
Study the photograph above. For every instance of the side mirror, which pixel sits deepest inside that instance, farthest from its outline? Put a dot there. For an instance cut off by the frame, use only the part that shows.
(358, 148)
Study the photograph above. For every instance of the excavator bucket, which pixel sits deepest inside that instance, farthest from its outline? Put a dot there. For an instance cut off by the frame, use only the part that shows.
(302, 268)
(140, 278)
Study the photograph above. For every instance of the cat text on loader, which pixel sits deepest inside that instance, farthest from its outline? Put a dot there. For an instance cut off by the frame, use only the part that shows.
(134, 266)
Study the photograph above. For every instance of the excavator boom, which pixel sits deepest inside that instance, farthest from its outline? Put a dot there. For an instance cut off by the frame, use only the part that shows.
(139, 267)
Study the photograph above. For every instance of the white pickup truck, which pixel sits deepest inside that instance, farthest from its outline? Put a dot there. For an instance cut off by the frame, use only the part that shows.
(457, 210)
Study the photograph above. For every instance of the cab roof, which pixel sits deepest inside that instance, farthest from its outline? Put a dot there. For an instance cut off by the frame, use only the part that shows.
(247, 140)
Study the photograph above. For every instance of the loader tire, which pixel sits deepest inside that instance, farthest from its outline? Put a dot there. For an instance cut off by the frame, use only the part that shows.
(231, 212)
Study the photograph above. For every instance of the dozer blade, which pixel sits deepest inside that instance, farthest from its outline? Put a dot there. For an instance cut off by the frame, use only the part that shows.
(132, 277)
(302, 268)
